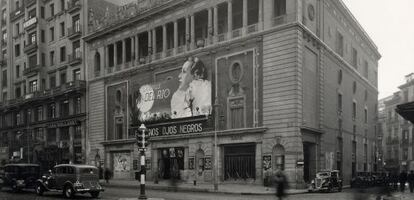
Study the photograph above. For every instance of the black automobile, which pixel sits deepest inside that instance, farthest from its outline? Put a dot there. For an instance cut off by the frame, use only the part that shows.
(20, 176)
(71, 179)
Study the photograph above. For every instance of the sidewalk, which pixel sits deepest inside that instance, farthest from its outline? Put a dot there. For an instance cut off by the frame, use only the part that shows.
(225, 188)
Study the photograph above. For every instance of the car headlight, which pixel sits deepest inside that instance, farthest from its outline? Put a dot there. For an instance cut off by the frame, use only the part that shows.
(313, 182)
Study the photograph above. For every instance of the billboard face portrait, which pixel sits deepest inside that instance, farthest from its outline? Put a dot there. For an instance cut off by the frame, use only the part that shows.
(186, 93)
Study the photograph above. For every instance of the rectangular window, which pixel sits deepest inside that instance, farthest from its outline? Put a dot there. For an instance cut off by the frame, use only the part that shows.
(76, 74)
(17, 29)
(77, 105)
(17, 71)
(18, 92)
(76, 49)
(32, 86)
(52, 10)
(62, 54)
(279, 8)
(339, 44)
(366, 68)
(62, 29)
(43, 60)
(4, 81)
(42, 36)
(354, 107)
(62, 78)
(76, 23)
(52, 33)
(354, 58)
(42, 12)
(33, 61)
(17, 50)
(52, 58)
(64, 108)
(39, 113)
(32, 13)
(51, 136)
(52, 111)
(4, 96)
(52, 81)
(62, 5)
(32, 38)
(340, 103)
(366, 115)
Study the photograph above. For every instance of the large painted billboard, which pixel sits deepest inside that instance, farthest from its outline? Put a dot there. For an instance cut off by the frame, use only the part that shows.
(181, 93)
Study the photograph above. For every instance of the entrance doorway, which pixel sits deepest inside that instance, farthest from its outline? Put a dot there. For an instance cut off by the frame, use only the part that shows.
(171, 162)
(309, 167)
(239, 162)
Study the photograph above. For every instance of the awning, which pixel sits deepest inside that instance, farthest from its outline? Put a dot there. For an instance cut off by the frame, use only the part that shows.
(406, 111)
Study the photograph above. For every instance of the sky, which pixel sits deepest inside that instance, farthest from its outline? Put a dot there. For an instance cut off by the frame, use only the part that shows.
(390, 24)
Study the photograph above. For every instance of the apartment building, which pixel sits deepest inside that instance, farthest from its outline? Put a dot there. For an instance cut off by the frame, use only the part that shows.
(43, 98)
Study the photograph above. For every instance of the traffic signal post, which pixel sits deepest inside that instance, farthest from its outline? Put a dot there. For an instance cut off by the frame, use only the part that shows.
(142, 141)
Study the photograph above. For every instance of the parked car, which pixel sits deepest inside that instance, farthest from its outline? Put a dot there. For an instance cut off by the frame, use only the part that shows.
(20, 176)
(362, 179)
(71, 179)
(326, 181)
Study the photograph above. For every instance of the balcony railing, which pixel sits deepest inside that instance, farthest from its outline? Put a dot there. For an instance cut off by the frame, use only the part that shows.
(252, 28)
(169, 52)
(73, 5)
(221, 37)
(19, 12)
(283, 19)
(31, 70)
(74, 32)
(30, 47)
(75, 59)
(237, 33)
(180, 49)
(29, 2)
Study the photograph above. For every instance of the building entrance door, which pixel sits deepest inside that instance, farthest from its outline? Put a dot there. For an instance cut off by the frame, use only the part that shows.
(171, 162)
(239, 162)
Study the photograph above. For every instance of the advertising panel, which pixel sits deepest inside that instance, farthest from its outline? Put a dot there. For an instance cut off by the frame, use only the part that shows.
(183, 93)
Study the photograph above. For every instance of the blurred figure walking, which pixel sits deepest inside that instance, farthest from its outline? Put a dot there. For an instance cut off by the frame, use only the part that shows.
(280, 181)
(410, 179)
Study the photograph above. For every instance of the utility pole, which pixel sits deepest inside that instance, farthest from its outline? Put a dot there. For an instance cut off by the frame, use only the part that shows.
(216, 126)
(142, 142)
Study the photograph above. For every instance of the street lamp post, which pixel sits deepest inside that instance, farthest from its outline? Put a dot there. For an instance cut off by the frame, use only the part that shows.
(216, 124)
(141, 141)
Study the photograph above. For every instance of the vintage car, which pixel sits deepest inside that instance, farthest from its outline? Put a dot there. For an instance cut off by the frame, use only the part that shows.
(71, 179)
(326, 181)
(20, 176)
(361, 180)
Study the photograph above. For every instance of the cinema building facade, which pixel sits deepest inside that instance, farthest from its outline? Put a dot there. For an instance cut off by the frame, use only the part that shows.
(273, 79)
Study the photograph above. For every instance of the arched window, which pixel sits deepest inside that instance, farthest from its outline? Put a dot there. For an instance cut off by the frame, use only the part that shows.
(97, 62)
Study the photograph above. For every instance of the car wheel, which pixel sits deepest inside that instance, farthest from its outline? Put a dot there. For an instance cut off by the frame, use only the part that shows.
(14, 187)
(68, 192)
(95, 194)
(39, 189)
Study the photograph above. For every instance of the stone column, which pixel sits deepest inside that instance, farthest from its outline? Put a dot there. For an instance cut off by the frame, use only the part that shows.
(175, 36)
(115, 55)
(123, 51)
(215, 23)
(136, 49)
(260, 19)
(192, 36)
(106, 56)
(209, 26)
(245, 17)
(154, 42)
(133, 49)
(71, 149)
(150, 49)
(164, 40)
(229, 19)
(187, 32)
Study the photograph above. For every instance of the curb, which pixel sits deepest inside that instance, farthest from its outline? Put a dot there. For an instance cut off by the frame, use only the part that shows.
(204, 190)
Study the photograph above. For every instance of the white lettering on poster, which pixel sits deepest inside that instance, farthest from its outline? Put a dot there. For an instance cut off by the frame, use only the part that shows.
(176, 129)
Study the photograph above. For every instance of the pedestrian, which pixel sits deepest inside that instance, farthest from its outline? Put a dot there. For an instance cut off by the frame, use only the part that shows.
(281, 184)
(403, 180)
(410, 179)
(108, 174)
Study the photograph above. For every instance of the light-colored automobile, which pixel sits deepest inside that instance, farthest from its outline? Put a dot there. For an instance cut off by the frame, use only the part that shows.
(328, 181)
